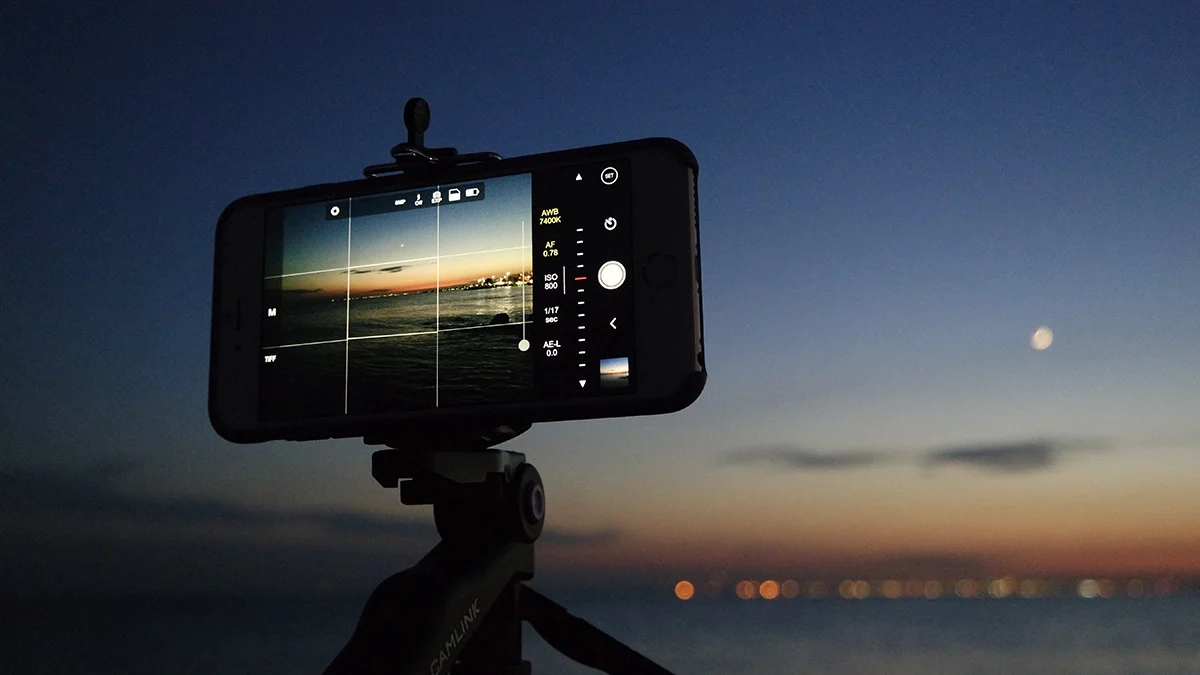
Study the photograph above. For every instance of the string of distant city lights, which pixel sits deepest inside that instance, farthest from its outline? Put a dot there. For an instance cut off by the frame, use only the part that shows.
(892, 589)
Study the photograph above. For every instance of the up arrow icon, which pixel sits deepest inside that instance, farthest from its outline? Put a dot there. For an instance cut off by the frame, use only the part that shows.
(578, 176)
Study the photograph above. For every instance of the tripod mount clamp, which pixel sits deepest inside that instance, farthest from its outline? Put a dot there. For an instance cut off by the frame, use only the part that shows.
(413, 158)
(478, 496)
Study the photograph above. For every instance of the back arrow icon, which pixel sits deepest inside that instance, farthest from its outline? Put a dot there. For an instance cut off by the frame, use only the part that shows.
(613, 323)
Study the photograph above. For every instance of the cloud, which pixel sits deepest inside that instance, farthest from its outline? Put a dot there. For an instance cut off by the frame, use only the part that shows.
(1013, 457)
(82, 533)
(41, 493)
(579, 538)
(390, 269)
(95, 496)
(999, 457)
(793, 457)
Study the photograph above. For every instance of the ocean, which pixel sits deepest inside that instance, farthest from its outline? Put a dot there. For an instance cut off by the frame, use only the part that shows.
(474, 359)
(302, 320)
(835, 637)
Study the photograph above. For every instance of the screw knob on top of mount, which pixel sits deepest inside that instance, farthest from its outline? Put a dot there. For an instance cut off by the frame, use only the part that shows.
(416, 116)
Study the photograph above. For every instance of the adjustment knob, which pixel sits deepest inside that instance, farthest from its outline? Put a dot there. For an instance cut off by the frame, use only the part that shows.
(416, 115)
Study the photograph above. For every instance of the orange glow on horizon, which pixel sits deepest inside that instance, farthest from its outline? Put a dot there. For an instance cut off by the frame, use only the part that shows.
(624, 556)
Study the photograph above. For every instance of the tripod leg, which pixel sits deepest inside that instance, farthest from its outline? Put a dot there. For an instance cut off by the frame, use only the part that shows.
(496, 647)
(580, 641)
(424, 619)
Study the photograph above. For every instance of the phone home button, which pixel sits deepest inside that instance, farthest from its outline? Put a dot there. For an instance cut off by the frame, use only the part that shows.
(660, 269)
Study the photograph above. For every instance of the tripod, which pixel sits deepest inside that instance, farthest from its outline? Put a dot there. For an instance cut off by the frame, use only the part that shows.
(461, 606)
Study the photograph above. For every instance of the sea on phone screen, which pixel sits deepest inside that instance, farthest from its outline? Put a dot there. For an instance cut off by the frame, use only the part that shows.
(407, 351)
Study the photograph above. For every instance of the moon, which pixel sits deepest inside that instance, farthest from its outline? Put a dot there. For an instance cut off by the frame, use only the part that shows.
(1042, 338)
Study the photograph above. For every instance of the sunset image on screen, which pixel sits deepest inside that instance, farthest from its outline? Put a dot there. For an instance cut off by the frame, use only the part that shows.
(428, 305)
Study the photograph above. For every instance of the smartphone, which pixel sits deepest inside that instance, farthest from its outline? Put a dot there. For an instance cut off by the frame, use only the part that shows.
(556, 286)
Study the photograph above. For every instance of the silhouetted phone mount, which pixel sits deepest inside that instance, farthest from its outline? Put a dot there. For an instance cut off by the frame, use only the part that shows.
(413, 157)
(459, 609)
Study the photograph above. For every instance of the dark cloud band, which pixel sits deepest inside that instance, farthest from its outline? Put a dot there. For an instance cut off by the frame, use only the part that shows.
(1001, 457)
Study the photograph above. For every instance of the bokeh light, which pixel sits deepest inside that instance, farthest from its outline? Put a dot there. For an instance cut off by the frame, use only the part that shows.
(769, 590)
(790, 589)
(846, 589)
(1089, 588)
(966, 588)
(933, 590)
(746, 590)
(1135, 588)
(1001, 588)
(862, 589)
(892, 589)
(684, 590)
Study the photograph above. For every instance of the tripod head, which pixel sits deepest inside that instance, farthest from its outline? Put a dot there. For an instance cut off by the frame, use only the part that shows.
(477, 495)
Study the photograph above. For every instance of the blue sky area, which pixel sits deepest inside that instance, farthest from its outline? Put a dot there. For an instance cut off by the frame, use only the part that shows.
(892, 198)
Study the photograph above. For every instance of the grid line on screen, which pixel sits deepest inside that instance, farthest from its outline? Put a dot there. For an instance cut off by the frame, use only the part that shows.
(346, 376)
(392, 335)
(409, 260)
(437, 308)
(523, 289)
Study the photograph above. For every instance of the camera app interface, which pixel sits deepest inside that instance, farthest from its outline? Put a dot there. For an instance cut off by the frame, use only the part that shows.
(499, 290)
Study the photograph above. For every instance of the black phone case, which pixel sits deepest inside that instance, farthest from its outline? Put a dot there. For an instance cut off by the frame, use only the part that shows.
(424, 424)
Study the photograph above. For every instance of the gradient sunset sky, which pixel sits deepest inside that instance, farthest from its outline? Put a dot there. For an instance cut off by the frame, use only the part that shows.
(892, 198)
(398, 251)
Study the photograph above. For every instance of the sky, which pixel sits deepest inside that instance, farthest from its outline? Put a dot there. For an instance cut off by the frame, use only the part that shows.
(498, 227)
(893, 198)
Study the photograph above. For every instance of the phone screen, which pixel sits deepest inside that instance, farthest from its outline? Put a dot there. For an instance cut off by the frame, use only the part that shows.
(505, 289)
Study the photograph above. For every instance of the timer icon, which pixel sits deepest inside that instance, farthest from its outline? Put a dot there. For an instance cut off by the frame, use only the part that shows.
(610, 223)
